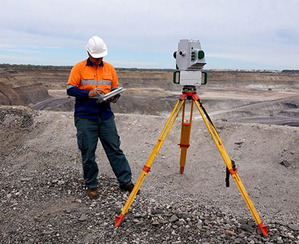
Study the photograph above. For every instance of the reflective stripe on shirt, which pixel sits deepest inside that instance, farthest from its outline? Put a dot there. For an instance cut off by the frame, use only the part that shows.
(96, 82)
(69, 86)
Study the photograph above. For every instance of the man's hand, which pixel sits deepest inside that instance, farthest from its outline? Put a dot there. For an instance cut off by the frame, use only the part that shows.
(95, 92)
(113, 99)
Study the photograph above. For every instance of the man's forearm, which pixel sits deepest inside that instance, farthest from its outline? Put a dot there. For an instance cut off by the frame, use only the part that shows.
(76, 92)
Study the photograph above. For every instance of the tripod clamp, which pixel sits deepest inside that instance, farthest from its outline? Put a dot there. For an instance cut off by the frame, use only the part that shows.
(189, 93)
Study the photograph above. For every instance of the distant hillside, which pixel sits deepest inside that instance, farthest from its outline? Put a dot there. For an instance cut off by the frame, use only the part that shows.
(27, 84)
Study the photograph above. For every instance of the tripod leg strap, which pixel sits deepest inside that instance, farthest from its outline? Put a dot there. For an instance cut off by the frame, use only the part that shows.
(227, 177)
(232, 171)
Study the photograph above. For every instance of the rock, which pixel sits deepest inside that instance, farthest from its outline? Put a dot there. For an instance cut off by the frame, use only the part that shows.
(26, 179)
(294, 227)
(246, 227)
(83, 217)
(173, 219)
(38, 219)
(47, 232)
(183, 215)
(285, 163)
(230, 233)
(155, 223)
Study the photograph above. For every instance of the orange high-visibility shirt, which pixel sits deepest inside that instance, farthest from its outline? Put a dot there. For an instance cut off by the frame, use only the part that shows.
(85, 76)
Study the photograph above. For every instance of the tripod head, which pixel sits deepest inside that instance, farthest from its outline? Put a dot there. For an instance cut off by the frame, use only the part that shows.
(188, 88)
(190, 59)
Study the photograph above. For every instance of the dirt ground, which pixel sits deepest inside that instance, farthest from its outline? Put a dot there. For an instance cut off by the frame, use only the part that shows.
(267, 158)
(266, 154)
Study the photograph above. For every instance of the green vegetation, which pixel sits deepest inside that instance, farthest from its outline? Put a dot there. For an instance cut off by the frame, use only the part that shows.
(34, 67)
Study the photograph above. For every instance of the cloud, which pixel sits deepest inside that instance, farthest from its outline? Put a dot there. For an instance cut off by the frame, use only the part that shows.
(244, 30)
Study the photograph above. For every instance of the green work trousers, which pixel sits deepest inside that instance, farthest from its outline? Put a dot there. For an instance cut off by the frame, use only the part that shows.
(88, 133)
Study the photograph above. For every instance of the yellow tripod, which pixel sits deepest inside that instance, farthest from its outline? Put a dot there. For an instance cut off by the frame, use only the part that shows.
(189, 93)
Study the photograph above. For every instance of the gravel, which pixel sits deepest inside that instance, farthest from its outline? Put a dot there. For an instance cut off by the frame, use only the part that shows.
(52, 207)
(43, 198)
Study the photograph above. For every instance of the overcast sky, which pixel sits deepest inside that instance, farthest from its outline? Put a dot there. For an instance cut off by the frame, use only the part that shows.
(235, 34)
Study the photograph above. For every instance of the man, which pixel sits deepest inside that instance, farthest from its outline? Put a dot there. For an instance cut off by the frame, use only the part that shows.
(93, 120)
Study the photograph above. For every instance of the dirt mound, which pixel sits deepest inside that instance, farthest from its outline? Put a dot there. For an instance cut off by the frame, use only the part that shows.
(16, 123)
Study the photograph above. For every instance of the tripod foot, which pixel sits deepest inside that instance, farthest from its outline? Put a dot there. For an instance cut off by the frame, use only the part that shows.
(264, 229)
(118, 219)
(182, 170)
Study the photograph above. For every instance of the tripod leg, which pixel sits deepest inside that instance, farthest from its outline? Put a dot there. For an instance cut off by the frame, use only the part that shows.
(185, 137)
(228, 162)
(150, 161)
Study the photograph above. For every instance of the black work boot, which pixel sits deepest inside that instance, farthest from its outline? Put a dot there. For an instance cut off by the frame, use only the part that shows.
(129, 187)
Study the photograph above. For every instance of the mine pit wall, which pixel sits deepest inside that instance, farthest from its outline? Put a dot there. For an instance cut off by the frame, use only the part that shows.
(22, 95)
(250, 79)
(8, 96)
(22, 85)
(32, 93)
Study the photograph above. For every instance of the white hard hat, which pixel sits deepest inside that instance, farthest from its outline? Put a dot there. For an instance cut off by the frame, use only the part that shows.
(96, 47)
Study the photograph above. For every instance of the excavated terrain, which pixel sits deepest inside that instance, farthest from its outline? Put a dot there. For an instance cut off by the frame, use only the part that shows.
(43, 198)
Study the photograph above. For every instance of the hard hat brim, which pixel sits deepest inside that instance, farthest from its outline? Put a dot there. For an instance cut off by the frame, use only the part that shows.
(99, 55)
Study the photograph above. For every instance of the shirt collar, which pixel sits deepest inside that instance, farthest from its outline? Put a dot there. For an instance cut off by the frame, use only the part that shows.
(89, 63)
